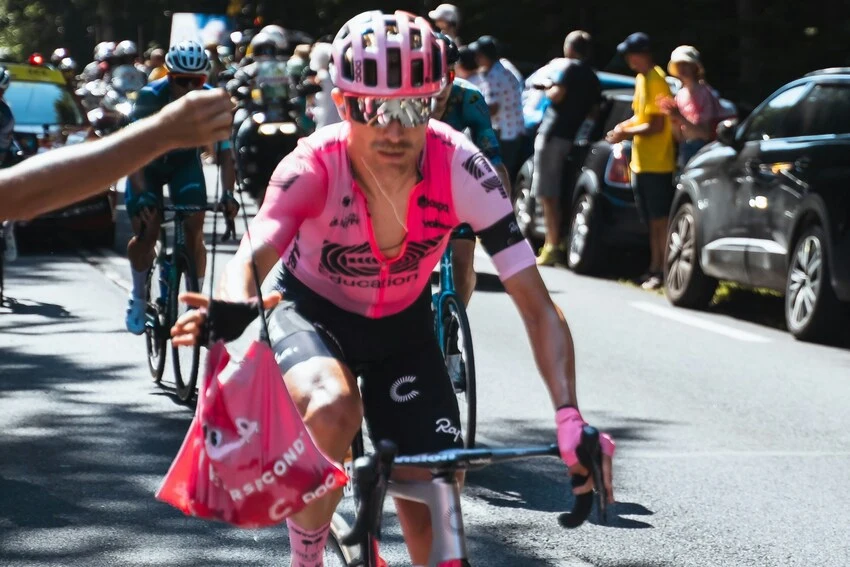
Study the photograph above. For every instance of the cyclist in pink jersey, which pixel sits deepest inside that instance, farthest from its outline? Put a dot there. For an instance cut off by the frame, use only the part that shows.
(359, 215)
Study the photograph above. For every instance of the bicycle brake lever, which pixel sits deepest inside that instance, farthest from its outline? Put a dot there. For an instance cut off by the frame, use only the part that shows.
(595, 457)
(589, 453)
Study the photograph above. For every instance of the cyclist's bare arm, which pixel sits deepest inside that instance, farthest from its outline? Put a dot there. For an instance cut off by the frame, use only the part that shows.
(237, 282)
(549, 334)
(61, 177)
(297, 191)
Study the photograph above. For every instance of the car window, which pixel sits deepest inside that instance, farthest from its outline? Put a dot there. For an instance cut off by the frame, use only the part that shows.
(620, 110)
(824, 110)
(36, 104)
(769, 121)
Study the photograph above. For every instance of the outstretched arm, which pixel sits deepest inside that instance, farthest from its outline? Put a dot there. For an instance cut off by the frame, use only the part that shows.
(549, 333)
(61, 177)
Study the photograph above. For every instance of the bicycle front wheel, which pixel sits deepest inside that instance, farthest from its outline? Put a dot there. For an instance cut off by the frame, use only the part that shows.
(156, 324)
(336, 554)
(460, 362)
(185, 360)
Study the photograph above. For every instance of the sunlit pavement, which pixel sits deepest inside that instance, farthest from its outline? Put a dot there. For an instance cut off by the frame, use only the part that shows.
(733, 439)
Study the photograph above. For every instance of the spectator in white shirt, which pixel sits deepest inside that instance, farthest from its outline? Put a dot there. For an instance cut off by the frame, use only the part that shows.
(502, 92)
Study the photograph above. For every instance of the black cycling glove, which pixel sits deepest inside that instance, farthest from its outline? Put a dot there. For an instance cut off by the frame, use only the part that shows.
(227, 320)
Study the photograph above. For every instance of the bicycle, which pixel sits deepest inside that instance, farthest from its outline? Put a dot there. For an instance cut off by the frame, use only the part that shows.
(358, 546)
(451, 326)
(175, 273)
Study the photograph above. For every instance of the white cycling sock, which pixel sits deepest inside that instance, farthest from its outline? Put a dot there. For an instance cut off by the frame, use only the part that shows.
(140, 280)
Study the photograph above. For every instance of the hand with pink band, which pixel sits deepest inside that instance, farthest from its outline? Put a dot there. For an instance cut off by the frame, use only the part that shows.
(570, 423)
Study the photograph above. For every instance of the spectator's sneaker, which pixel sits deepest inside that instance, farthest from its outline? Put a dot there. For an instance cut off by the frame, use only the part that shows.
(654, 281)
(10, 248)
(549, 255)
(135, 319)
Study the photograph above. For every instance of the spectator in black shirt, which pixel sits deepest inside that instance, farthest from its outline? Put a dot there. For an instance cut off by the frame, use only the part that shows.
(573, 98)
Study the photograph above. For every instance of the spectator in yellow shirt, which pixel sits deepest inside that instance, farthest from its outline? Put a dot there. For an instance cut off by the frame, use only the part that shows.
(653, 154)
(157, 65)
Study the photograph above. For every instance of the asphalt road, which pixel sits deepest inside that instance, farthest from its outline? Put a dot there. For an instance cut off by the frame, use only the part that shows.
(733, 439)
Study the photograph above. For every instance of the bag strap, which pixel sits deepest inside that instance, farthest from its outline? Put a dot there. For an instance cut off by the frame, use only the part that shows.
(264, 329)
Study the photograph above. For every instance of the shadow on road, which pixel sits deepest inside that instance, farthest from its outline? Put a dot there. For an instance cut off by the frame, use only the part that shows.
(87, 471)
(78, 480)
(506, 486)
(39, 309)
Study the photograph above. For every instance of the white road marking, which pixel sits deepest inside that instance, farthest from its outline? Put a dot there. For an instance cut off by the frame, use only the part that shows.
(741, 453)
(679, 316)
(108, 263)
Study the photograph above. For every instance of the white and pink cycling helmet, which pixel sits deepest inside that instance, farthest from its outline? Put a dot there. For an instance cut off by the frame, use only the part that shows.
(388, 55)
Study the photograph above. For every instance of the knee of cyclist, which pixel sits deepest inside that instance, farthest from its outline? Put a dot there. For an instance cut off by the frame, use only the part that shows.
(334, 417)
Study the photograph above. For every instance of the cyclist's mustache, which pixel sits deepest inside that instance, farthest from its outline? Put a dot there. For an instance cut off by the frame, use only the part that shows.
(391, 147)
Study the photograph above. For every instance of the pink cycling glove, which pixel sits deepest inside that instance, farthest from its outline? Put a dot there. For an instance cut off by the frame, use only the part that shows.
(570, 422)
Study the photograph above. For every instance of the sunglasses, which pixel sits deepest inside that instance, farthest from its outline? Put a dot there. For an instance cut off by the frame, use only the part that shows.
(380, 112)
(188, 81)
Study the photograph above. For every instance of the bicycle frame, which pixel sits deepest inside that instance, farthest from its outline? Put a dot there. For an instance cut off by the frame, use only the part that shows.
(166, 260)
(447, 287)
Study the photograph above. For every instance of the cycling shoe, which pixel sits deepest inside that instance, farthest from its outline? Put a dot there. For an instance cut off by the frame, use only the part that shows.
(135, 318)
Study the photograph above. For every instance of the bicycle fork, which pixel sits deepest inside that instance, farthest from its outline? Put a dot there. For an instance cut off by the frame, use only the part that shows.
(442, 496)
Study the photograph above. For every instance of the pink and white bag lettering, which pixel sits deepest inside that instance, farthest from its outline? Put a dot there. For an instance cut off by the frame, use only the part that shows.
(248, 459)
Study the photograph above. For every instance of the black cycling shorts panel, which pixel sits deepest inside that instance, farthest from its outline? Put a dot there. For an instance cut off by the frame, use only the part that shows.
(407, 395)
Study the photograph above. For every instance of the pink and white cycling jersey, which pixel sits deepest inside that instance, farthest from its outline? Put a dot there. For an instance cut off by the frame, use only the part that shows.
(316, 217)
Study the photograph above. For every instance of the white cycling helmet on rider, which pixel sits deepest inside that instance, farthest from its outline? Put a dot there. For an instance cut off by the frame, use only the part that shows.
(278, 32)
(187, 58)
(266, 44)
(126, 48)
(104, 50)
(388, 55)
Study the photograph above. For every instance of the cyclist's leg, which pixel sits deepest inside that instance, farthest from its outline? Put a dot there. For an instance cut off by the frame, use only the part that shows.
(188, 187)
(140, 248)
(463, 254)
(143, 207)
(409, 399)
(325, 392)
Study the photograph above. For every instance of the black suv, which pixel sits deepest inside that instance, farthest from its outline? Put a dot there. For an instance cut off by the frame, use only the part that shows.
(768, 205)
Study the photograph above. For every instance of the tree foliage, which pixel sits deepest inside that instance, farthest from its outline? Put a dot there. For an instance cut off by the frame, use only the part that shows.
(750, 47)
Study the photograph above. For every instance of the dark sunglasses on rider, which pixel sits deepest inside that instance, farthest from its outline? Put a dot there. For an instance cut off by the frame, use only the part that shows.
(188, 81)
(381, 111)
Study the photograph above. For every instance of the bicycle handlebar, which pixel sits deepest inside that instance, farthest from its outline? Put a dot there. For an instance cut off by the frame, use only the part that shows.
(372, 473)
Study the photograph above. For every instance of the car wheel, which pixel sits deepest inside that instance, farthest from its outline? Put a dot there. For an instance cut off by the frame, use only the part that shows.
(584, 245)
(525, 207)
(686, 284)
(812, 312)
